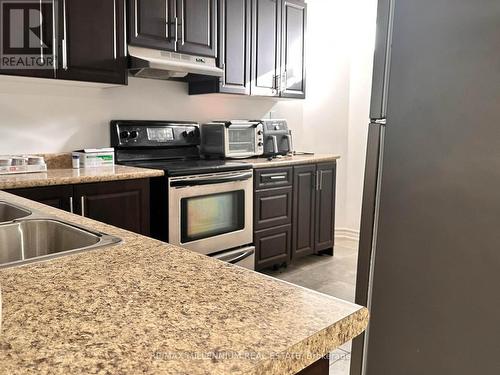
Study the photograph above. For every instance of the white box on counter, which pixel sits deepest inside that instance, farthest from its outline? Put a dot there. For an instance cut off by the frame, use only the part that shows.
(96, 157)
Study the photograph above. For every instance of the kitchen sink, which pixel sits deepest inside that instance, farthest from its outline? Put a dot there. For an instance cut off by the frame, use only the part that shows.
(33, 240)
(10, 212)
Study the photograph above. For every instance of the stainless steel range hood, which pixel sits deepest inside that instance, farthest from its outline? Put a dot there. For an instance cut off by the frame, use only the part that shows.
(157, 64)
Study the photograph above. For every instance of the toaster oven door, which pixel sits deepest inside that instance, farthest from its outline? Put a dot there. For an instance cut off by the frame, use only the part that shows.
(243, 141)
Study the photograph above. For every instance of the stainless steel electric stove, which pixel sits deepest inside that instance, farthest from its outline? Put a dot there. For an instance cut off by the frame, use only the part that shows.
(202, 205)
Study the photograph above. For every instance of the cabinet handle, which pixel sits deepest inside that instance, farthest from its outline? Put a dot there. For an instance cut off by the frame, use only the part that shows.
(182, 23)
(64, 44)
(71, 205)
(82, 201)
(176, 20)
(276, 82)
(320, 180)
(167, 24)
(317, 181)
(125, 29)
(40, 19)
(54, 40)
(115, 52)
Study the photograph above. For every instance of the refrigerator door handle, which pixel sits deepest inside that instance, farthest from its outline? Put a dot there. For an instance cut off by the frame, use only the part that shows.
(374, 243)
(382, 59)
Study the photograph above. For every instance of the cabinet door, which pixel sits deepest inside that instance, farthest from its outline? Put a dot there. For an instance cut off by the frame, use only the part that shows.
(304, 210)
(124, 204)
(325, 207)
(293, 49)
(273, 208)
(272, 246)
(266, 34)
(55, 196)
(28, 51)
(197, 27)
(93, 41)
(152, 24)
(235, 39)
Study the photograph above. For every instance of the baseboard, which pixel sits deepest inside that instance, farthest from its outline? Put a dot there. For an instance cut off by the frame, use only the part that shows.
(347, 237)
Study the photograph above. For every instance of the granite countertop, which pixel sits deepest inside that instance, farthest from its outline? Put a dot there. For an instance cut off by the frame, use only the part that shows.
(291, 160)
(144, 306)
(60, 174)
(67, 176)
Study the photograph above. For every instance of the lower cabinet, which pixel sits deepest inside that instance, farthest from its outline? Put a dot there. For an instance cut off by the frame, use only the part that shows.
(272, 246)
(325, 207)
(304, 208)
(313, 209)
(60, 196)
(124, 204)
(294, 213)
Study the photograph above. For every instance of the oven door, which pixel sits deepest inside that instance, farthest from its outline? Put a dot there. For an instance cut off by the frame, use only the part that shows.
(243, 141)
(212, 212)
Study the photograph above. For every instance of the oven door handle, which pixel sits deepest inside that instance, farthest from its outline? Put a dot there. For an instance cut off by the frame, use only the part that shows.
(211, 180)
(238, 257)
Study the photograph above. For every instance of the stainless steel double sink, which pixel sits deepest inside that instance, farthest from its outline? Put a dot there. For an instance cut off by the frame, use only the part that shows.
(30, 236)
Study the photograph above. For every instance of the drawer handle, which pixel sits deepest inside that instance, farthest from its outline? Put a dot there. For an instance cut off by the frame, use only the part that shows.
(277, 177)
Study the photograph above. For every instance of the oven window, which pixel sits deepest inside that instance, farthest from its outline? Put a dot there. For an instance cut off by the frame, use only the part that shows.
(242, 140)
(211, 215)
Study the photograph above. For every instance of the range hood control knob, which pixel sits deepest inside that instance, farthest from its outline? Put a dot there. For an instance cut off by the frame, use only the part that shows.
(134, 134)
(125, 134)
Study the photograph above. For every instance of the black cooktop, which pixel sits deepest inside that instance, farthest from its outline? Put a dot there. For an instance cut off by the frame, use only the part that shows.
(187, 167)
(172, 146)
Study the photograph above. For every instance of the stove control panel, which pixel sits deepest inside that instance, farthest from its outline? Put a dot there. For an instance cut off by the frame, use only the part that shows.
(126, 134)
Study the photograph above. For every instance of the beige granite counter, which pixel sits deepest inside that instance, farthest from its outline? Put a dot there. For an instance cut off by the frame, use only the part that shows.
(147, 307)
(75, 176)
(291, 160)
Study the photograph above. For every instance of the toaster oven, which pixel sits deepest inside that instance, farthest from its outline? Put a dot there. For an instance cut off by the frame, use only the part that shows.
(232, 139)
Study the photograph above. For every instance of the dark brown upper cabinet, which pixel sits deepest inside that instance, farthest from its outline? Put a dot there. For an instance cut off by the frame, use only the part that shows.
(198, 27)
(38, 46)
(84, 38)
(278, 48)
(293, 71)
(261, 49)
(185, 26)
(152, 24)
(235, 40)
(266, 46)
(93, 46)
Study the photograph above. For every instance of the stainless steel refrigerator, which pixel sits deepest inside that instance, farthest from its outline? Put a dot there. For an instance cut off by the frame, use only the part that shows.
(429, 256)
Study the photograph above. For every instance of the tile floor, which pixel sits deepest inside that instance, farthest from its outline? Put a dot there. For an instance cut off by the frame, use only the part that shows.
(335, 276)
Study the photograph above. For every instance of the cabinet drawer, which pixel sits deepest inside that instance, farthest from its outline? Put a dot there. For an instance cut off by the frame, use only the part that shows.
(273, 177)
(273, 208)
(272, 246)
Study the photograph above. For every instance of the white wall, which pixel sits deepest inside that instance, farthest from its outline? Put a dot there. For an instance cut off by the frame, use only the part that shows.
(37, 117)
(52, 118)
